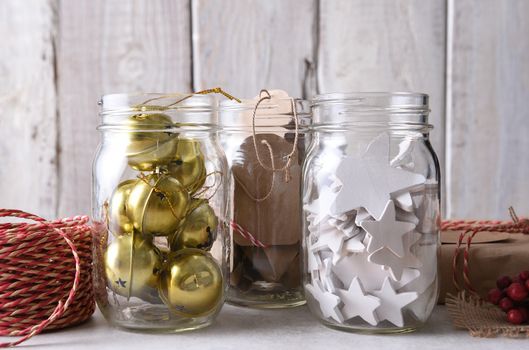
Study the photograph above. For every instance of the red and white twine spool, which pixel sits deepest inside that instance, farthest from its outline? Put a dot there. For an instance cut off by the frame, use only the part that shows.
(45, 274)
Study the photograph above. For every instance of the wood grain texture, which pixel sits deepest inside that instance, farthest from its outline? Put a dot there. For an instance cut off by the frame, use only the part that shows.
(488, 124)
(28, 98)
(107, 47)
(385, 45)
(244, 46)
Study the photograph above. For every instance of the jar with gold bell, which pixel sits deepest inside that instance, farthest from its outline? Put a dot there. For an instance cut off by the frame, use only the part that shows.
(159, 207)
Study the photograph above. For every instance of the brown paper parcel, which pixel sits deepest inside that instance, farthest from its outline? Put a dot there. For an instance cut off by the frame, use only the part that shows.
(489, 259)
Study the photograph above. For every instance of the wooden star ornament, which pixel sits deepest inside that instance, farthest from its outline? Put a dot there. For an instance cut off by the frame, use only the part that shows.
(369, 181)
(387, 232)
(393, 263)
(392, 303)
(328, 302)
(357, 303)
(332, 239)
(321, 207)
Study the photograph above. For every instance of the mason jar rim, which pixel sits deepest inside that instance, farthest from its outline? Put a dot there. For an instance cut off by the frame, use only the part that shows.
(118, 103)
(249, 104)
(365, 110)
(406, 101)
(187, 111)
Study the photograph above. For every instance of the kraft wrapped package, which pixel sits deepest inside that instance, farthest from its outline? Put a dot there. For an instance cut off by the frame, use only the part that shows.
(492, 254)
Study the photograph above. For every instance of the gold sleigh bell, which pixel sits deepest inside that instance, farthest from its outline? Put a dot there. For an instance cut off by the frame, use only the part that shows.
(132, 270)
(188, 165)
(190, 283)
(118, 216)
(148, 148)
(199, 228)
(156, 205)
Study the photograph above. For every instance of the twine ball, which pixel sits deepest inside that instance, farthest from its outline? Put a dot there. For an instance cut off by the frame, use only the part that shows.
(45, 274)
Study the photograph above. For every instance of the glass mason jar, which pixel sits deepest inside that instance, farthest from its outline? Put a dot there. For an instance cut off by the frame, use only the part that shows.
(159, 206)
(371, 200)
(266, 233)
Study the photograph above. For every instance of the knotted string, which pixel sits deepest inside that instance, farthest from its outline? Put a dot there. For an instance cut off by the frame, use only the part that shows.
(285, 168)
(469, 229)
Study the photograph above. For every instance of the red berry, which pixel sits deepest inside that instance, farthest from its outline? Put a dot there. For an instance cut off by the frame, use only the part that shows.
(505, 304)
(515, 279)
(527, 284)
(495, 295)
(524, 275)
(525, 313)
(517, 291)
(515, 316)
(503, 282)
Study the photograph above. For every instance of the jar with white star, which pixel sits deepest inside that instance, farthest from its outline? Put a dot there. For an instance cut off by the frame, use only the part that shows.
(160, 211)
(371, 212)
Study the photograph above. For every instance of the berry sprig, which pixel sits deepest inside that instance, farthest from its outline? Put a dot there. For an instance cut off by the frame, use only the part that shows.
(511, 295)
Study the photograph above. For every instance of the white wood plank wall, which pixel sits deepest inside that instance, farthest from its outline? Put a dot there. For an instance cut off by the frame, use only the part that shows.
(58, 56)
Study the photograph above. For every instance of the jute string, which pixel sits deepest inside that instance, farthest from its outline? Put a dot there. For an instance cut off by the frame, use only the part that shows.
(263, 96)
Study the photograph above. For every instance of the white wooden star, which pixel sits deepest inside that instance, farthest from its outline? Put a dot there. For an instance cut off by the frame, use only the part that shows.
(356, 265)
(392, 303)
(368, 181)
(404, 155)
(403, 201)
(321, 207)
(387, 232)
(351, 245)
(317, 229)
(362, 215)
(357, 303)
(332, 239)
(314, 262)
(393, 263)
(347, 225)
(325, 254)
(330, 281)
(328, 302)
(354, 244)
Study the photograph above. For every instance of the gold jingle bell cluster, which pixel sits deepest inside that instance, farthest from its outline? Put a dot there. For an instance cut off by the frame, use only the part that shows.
(164, 202)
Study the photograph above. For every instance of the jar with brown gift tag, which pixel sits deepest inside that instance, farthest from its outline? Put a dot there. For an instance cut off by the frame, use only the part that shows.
(265, 142)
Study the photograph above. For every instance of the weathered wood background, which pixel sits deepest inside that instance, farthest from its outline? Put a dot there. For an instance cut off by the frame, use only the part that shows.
(57, 57)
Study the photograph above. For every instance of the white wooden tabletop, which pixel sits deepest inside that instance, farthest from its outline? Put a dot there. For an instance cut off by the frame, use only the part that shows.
(238, 328)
